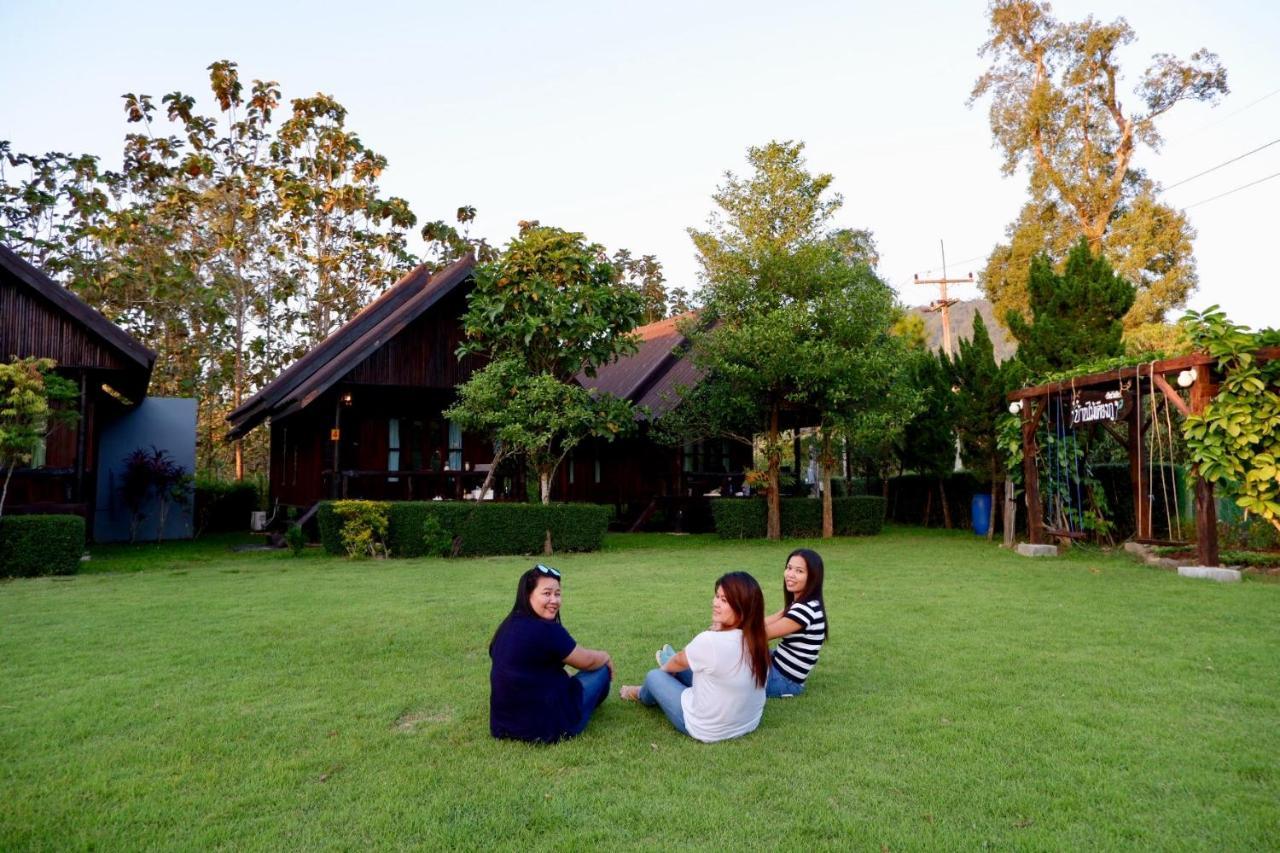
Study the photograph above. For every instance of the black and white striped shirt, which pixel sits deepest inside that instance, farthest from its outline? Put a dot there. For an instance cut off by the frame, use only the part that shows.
(797, 654)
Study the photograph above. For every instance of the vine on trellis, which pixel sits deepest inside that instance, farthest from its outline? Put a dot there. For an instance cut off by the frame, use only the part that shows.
(1235, 441)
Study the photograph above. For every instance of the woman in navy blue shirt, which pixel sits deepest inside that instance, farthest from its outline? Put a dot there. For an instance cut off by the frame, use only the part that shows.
(531, 696)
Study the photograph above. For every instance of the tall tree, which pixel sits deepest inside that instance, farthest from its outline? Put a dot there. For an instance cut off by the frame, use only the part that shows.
(549, 309)
(1056, 109)
(793, 311)
(344, 241)
(980, 384)
(1077, 316)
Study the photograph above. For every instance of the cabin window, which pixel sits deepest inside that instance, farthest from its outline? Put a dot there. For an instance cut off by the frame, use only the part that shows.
(39, 453)
(688, 457)
(455, 447)
(597, 469)
(393, 448)
(571, 466)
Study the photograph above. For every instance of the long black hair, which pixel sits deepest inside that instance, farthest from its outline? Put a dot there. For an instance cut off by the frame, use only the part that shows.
(813, 585)
(524, 589)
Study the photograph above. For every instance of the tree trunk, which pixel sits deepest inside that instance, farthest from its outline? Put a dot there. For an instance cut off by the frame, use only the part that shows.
(4, 491)
(774, 524)
(492, 475)
(546, 543)
(928, 505)
(991, 513)
(544, 487)
(1010, 513)
(824, 476)
(946, 507)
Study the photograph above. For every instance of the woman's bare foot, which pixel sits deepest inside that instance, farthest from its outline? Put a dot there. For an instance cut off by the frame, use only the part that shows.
(629, 692)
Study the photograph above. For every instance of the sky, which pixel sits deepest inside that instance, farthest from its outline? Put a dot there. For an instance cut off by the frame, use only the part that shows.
(620, 119)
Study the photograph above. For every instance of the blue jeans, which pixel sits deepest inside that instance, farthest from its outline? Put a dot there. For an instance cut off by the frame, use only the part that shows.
(779, 685)
(595, 687)
(664, 689)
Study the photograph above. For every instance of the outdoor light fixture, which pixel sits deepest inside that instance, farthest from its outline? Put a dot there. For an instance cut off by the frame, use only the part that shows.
(1015, 407)
(1187, 378)
(346, 399)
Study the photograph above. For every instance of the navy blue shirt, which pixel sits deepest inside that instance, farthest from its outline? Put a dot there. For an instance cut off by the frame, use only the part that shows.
(531, 696)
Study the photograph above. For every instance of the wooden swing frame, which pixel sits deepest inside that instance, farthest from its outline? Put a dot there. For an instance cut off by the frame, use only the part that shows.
(1035, 401)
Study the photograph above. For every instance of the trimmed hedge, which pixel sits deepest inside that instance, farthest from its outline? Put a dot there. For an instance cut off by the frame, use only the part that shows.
(481, 528)
(738, 518)
(33, 545)
(224, 506)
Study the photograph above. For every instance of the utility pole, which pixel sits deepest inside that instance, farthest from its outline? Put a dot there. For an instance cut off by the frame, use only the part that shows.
(943, 304)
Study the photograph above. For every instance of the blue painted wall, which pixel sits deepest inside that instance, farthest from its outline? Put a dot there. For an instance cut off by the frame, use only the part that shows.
(168, 423)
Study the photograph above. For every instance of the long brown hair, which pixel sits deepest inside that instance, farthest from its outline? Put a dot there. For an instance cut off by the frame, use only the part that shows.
(743, 594)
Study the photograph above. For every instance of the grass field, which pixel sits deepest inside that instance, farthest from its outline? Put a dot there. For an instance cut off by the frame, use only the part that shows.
(189, 697)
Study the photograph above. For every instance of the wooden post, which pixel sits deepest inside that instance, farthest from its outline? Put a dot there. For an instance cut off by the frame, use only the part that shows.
(1032, 411)
(1010, 513)
(1141, 510)
(336, 489)
(1206, 506)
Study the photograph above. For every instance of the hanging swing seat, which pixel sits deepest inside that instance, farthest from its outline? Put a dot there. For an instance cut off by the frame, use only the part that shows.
(1163, 543)
(1065, 534)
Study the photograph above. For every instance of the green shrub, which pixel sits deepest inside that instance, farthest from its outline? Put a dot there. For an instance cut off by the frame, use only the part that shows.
(1255, 559)
(224, 506)
(33, 545)
(480, 528)
(739, 518)
(330, 527)
(436, 541)
(364, 528)
(860, 515)
(296, 539)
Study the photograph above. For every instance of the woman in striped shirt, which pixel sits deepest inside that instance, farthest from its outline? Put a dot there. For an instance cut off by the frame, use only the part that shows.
(801, 623)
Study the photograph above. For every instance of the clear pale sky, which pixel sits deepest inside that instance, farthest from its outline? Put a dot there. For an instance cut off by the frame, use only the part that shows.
(619, 119)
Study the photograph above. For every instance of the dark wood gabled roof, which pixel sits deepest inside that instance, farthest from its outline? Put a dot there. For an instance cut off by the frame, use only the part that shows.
(335, 356)
(652, 375)
(119, 351)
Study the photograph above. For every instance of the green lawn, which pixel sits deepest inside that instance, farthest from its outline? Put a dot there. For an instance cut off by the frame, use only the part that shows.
(193, 698)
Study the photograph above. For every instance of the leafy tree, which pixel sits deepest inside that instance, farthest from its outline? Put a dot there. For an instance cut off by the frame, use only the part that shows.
(795, 320)
(1235, 440)
(644, 276)
(32, 399)
(548, 310)
(447, 243)
(226, 245)
(1056, 108)
(1077, 316)
(927, 444)
(536, 415)
(981, 385)
(343, 240)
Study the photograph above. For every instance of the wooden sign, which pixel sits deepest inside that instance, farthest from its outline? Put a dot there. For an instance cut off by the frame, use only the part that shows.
(1090, 406)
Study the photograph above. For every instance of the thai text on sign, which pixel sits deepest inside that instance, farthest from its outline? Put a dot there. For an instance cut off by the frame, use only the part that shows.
(1090, 406)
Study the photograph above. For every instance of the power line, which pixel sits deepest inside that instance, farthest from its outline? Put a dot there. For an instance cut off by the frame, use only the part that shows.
(1229, 192)
(1220, 165)
(1219, 121)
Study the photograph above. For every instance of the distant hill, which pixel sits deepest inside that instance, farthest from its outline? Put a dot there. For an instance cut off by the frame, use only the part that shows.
(962, 326)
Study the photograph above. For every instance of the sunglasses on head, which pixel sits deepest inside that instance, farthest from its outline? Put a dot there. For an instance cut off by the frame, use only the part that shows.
(547, 570)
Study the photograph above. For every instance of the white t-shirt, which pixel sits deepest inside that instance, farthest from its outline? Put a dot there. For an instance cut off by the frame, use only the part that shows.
(724, 701)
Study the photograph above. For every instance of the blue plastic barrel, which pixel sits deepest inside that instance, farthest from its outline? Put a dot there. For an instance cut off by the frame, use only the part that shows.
(980, 509)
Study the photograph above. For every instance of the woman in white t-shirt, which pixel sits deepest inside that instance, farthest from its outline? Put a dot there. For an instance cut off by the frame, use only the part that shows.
(713, 689)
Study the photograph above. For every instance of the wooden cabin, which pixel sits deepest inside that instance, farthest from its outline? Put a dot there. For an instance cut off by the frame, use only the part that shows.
(360, 416)
(40, 318)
